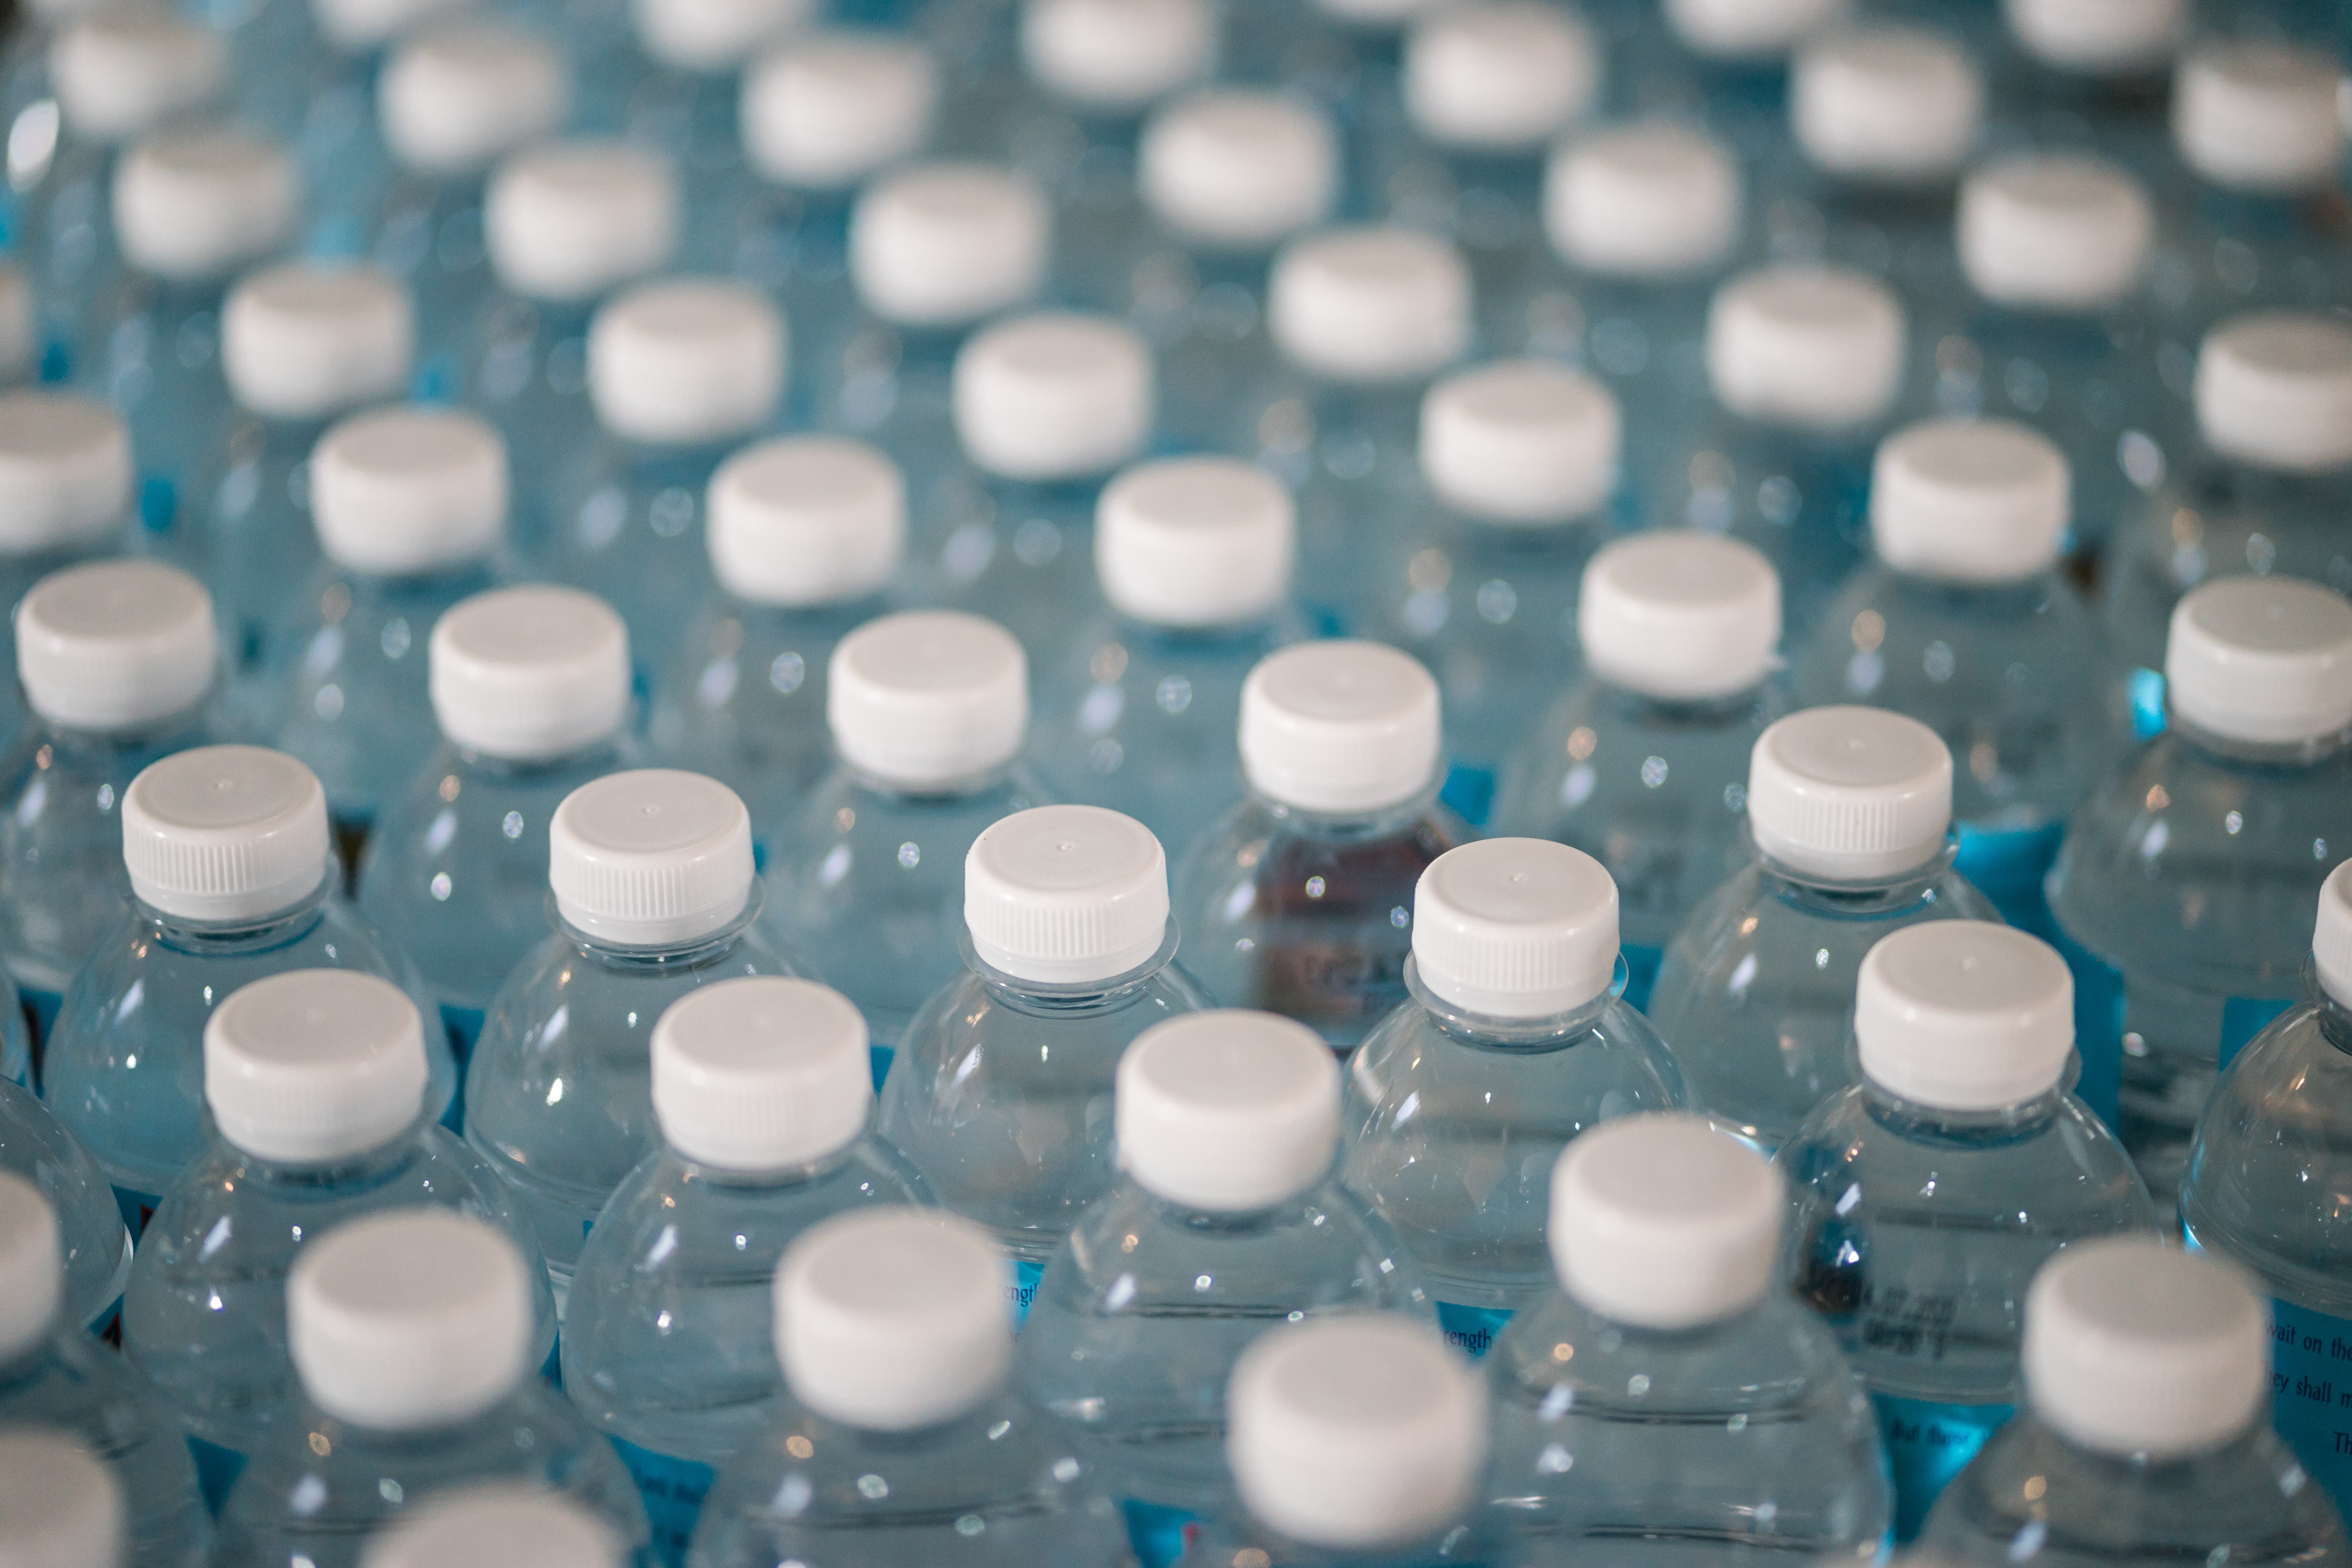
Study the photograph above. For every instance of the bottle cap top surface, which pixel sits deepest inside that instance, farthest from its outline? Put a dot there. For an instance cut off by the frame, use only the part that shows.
(457, 98)
(1680, 615)
(762, 1073)
(2266, 660)
(2054, 232)
(1227, 1111)
(1116, 55)
(1813, 347)
(223, 834)
(1515, 928)
(1238, 170)
(942, 245)
(826, 110)
(398, 492)
(1965, 1016)
(310, 1065)
(651, 858)
(1850, 795)
(1370, 305)
(2275, 391)
(1340, 726)
(116, 645)
(571, 220)
(1650, 200)
(1969, 500)
(687, 361)
(1052, 396)
(807, 520)
(1662, 1222)
(530, 673)
(197, 204)
(1195, 541)
(928, 698)
(304, 341)
(65, 472)
(1066, 894)
(1499, 75)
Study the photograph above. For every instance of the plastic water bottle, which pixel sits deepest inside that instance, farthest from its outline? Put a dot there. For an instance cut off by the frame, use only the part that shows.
(2147, 1373)
(1001, 1088)
(1639, 764)
(1298, 900)
(118, 661)
(61, 1506)
(1359, 1439)
(2184, 886)
(232, 880)
(1962, 621)
(899, 1441)
(531, 688)
(1141, 709)
(497, 1526)
(1849, 814)
(927, 711)
(53, 1375)
(1961, 1125)
(1620, 1401)
(410, 506)
(1518, 487)
(1513, 1043)
(765, 1100)
(68, 467)
(411, 1331)
(92, 1240)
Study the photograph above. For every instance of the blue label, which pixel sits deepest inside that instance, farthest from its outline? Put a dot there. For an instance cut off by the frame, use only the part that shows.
(1021, 1292)
(2098, 1024)
(2008, 868)
(2311, 1393)
(1473, 1330)
(1641, 973)
(216, 1471)
(673, 1489)
(1470, 792)
(137, 1208)
(2147, 687)
(1159, 1533)
(2243, 1017)
(1927, 1444)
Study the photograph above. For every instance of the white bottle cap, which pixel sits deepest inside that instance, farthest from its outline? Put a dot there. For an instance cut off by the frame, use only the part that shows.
(2134, 1346)
(2331, 937)
(303, 342)
(1649, 200)
(573, 219)
(354, 27)
(1968, 500)
(1850, 795)
(761, 1073)
(686, 362)
(530, 673)
(1063, 895)
(1195, 541)
(806, 519)
(1357, 1431)
(1227, 1111)
(500, 1525)
(714, 36)
(2054, 232)
(1499, 75)
(196, 205)
(1340, 726)
(1748, 29)
(1521, 441)
(893, 1319)
(31, 1266)
(60, 1506)
(225, 832)
(119, 73)
(652, 858)
(1679, 615)
(1371, 305)
(2274, 389)
(1662, 1222)
(403, 492)
(1886, 103)
(2099, 37)
(942, 244)
(15, 324)
(928, 698)
(1239, 171)
(1116, 55)
(65, 472)
(1515, 928)
(408, 1320)
(1053, 396)
(116, 645)
(2258, 116)
(826, 110)
(312, 1066)
(2262, 659)
(1964, 1015)
(1815, 347)
(459, 96)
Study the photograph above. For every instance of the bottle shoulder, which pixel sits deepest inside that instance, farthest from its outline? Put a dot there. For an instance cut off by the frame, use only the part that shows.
(1412, 1055)
(1777, 1356)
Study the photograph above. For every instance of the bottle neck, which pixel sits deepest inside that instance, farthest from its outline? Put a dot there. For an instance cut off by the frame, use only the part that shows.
(1682, 713)
(337, 1171)
(240, 935)
(930, 791)
(657, 956)
(1041, 999)
(1489, 1032)
(1864, 895)
(1350, 827)
(600, 755)
(2301, 754)
(1998, 1124)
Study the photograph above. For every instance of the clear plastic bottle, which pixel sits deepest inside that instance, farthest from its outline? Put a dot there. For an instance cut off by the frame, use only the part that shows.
(496, 1525)
(899, 1441)
(1515, 1042)
(765, 1100)
(2184, 889)
(92, 1240)
(1640, 763)
(68, 464)
(1849, 817)
(653, 898)
(1000, 1091)
(927, 711)
(1961, 1126)
(232, 880)
(53, 1375)
(2146, 1375)
(1298, 900)
(61, 1506)
(411, 1331)
(315, 1086)
(1672, 1388)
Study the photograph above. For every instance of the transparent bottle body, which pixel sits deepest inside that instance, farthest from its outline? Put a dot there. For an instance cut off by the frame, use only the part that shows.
(1204, 312)
(626, 523)
(526, 371)
(248, 534)
(896, 390)
(35, 1146)
(1235, 1540)
(1645, 340)
(793, 243)
(1349, 454)
(1023, 554)
(2221, 252)
(428, 233)
(150, 348)
(59, 216)
(72, 1383)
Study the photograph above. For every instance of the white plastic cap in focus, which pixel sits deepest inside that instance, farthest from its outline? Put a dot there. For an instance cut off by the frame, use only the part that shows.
(196, 205)
(573, 219)
(1679, 615)
(225, 832)
(302, 342)
(354, 27)
(761, 1073)
(2274, 389)
(409, 1321)
(2266, 660)
(2099, 37)
(1370, 305)
(1340, 726)
(61, 1506)
(530, 673)
(942, 245)
(2054, 232)
(498, 1525)
(314, 1065)
(1356, 1432)
(1850, 795)
(1662, 1222)
(1966, 1015)
(1195, 541)
(1053, 396)
(116, 645)
(460, 96)
(400, 492)
(1900, 105)
(2134, 1346)
(1522, 441)
(1239, 170)
(1969, 500)
(2258, 116)
(120, 72)
(2331, 936)
(1062, 895)
(686, 362)
(893, 1319)
(1499, 75)
(1815, 347)
(825, 110)
(806, 519)
(1116, 55)
(1649, 200)
(31, 1266)
(714, 36)
(1748, 29)
(1515, 928)
(65, 472)
(651, 858)
(1227, 1111)
(928, 698)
